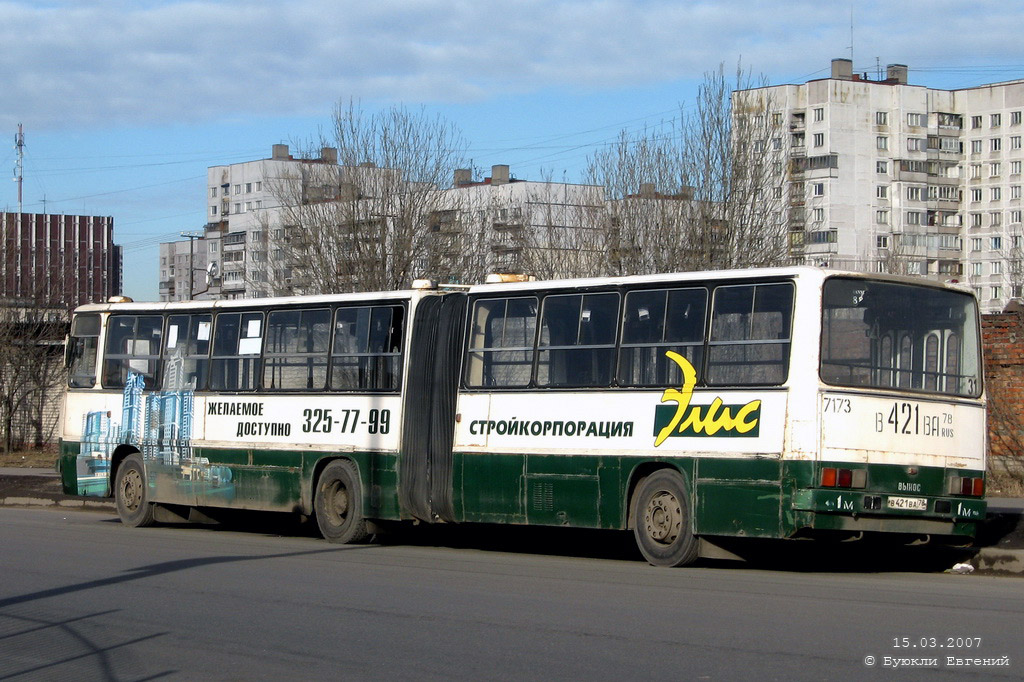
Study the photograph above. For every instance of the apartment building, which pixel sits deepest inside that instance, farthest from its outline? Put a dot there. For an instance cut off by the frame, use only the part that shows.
(882, 175)
(58, 261)
(232, 256)
(494, 224)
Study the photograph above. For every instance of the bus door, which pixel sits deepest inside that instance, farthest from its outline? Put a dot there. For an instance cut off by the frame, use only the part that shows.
(435, 358)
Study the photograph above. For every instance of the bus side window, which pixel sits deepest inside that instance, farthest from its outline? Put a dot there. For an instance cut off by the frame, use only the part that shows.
(577, 340)
(501, 343)
(750, 335)
(295, 357)
(237, 341)
(133, 347)
(187, 351)
(655, 322)
(82, 348)
(367, 351)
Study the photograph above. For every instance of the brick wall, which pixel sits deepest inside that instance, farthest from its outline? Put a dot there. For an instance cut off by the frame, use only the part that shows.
(1003, 340)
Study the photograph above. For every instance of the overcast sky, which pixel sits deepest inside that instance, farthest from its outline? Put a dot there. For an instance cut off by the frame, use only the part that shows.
(125, 103)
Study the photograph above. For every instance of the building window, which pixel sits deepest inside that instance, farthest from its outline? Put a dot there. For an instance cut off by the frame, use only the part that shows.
(818, 189)
(994, 169)
(913, 217)
(997, 193)
(995, 144)
(976, 194)
(917, 144)
(882, 242)
(248, 187)
(798, 139)
(1015, 216)
(213, 210)
(1015, 168)
(819, 115)
(997, 267)
(995, 219)
(1015, 192)
(1015, 118)
(819, 139)
(918, 120)
(881, 166)
(975, 171)
(914, 267)
(238, 189)
(818, 215)
(996, 243)
(914, 193)
(881, 118)
(975, 146)
(882, 191)
(995, 120)
(997, 292)
(976, 269)
(213, 192)
(1015, 142)
(975, 121)
(776, 118)
(882, 217)
(881, 142)
(975, 220)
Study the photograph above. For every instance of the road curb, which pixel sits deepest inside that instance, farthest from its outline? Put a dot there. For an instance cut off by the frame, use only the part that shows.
(70, 503)
(993, 559)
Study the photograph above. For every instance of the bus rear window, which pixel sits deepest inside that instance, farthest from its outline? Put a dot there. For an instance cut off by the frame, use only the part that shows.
(900, 336)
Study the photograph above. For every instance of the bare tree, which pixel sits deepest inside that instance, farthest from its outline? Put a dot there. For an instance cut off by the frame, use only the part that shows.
(365, 222)
(31, 371)
(702, 191)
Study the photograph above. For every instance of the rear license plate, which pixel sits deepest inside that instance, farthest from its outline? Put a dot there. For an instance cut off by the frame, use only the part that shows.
(910, 503)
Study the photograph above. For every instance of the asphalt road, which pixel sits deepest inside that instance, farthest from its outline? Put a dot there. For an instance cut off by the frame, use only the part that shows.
(84, 598)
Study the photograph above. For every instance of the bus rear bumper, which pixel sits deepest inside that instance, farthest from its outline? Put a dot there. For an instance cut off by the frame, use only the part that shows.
(876, 512)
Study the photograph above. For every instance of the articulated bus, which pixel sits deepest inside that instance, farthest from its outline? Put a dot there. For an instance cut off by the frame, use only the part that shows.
(693, 409)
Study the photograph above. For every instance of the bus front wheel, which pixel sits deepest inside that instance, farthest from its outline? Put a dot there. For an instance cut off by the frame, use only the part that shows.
(662, 520)
(131, 494)
(338, 504)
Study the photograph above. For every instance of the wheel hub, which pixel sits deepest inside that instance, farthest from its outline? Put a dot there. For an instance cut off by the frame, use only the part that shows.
(663, 518)
(131, 490)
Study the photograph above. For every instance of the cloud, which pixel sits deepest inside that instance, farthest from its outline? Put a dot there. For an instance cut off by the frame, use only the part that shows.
(96, 62)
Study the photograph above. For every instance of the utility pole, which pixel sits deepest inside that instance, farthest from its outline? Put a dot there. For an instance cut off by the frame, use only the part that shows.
(19, 165)
(192, 237)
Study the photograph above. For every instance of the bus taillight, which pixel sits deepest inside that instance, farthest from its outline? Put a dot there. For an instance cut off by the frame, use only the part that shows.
(843, 478)
(974, 487)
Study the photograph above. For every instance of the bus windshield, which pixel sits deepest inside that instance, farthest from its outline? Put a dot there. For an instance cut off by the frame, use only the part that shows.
(900, 336)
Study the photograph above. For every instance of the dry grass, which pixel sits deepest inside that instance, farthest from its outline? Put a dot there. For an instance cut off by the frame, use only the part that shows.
(29, 458)
(1004, 484)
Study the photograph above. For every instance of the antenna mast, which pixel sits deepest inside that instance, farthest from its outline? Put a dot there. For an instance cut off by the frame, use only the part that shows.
(19, 165)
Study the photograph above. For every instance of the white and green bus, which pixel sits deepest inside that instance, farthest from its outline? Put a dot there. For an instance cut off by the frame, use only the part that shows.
(691, 408)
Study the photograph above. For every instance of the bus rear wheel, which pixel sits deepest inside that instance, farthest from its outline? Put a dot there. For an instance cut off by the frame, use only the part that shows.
(131, 494)
(338, 504)
(662, 521)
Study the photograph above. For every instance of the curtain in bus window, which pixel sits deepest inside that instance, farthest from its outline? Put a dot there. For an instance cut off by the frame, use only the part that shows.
(367, 350)
(655, 322)
(187, 351)
(750, 335)
(237, 340)
(295, 354)
(133, 346)
(501, 343)
(577, 340)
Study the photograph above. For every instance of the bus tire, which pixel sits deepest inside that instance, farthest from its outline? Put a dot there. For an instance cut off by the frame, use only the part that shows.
(131, 493)
(662, 520)
(338, 504)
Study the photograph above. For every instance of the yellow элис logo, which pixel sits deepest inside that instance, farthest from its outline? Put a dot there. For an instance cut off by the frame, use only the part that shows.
(688, 420)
